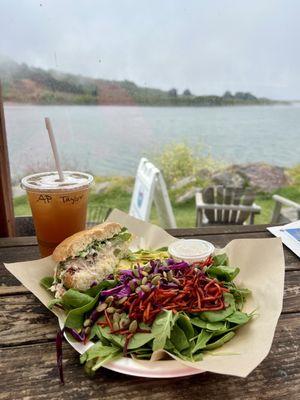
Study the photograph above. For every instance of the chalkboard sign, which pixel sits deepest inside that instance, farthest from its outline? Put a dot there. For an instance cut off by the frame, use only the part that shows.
(150, 187)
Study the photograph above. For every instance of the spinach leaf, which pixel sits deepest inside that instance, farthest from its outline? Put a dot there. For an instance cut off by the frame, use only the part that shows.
(210, 326)
(74, 299)
(54, 302)
(101, 361)
(138, 340)
(220, 259)
(202, 339)
(216, 326)
(223, 339)
(179, 339)
(161, 329)
(75, 317)
(96, 331)
(47, 282)
(107, 284)
(169, 345)
(185, 324)
(98, 355)
(239, 317)
(97, 350)
(220, 315)
(239, 294)
(222, 272)
(200, 323)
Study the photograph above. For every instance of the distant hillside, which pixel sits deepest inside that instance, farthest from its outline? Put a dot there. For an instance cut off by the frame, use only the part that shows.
(24, 84)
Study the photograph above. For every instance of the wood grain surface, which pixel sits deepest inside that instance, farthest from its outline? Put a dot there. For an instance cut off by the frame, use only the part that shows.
(28, 358)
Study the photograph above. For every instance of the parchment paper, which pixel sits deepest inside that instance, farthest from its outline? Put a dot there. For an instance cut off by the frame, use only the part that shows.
(261, 262)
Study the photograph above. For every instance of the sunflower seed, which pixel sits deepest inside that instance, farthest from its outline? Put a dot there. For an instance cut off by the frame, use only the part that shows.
(169, 276)
(144, 280)
(165, 274)
(145, 288)
(133, 326)
(124, 323)
(122, 300)
(144, 273)
(109, 299)
(116, 317)
(155, 280)
(101, 307)
(87, 330)
(147, 268)
(87, 323)
(176, 281)
(136, 273)
(116, 326)
(132, 286)
(110, 310)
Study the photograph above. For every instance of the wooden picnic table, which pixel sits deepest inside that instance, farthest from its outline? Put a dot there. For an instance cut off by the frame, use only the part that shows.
(28, 329)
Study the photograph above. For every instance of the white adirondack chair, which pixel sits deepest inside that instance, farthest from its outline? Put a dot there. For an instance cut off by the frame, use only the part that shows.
(225, 205)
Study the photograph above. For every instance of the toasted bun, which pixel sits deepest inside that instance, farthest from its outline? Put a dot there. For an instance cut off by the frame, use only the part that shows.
(71, 246)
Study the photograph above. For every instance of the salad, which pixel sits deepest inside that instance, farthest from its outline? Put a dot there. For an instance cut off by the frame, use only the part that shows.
(151, 303)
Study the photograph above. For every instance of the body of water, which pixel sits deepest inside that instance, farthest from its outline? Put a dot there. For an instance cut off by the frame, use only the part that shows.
(109, 140)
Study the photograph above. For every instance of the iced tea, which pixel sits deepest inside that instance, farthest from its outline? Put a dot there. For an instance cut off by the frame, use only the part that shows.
(58, 208)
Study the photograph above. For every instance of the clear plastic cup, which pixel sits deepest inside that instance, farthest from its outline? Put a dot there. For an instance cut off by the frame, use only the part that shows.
(58, 208)
(191, 250)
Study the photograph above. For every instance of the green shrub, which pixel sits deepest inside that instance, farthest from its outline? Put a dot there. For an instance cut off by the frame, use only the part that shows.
(294, 174)
(178, 161)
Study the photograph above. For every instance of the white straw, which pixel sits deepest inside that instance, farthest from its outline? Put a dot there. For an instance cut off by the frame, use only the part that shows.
(54, 148)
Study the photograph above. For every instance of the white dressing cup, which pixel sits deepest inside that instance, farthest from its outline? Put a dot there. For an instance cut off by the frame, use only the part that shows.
(191, 250)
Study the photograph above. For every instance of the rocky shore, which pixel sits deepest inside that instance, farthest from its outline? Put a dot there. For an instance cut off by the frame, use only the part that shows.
(261, 177)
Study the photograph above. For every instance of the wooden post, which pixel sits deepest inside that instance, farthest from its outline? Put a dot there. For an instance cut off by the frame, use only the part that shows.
(7, 219)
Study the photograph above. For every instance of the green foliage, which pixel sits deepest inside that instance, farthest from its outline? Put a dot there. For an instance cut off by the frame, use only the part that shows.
(294, 174)
(223, 272)
(54, 87)
(178, 160)
(215, 316)
(161, 329)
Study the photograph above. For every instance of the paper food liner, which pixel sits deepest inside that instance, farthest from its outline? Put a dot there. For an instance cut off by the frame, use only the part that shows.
(261, 264)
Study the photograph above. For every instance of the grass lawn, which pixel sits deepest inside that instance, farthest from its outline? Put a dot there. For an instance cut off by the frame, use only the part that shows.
(184, 213)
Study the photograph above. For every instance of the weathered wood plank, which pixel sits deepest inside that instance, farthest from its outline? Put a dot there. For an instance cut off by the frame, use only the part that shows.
(18, 241)
(12, 290)
(30, 372)
(179, 232)
(26, 320)
(219, 230)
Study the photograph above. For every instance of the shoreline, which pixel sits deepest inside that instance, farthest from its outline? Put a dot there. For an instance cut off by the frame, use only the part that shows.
(283, 103)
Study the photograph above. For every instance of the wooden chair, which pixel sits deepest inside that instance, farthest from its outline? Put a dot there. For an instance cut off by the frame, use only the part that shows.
(284, 216)
(97, 214)
(24, 226)
(225, 205)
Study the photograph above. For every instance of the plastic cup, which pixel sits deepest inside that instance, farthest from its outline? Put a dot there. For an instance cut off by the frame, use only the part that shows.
(58, 208)
(191, 250)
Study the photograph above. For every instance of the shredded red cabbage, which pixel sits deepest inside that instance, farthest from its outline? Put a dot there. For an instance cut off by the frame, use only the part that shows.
(59, 355)
(75, 334)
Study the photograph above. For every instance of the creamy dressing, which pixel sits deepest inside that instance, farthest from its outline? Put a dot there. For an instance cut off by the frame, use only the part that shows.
(191, 249)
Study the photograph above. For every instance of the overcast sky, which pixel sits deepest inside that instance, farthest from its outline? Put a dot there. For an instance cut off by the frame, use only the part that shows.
(208, 46)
